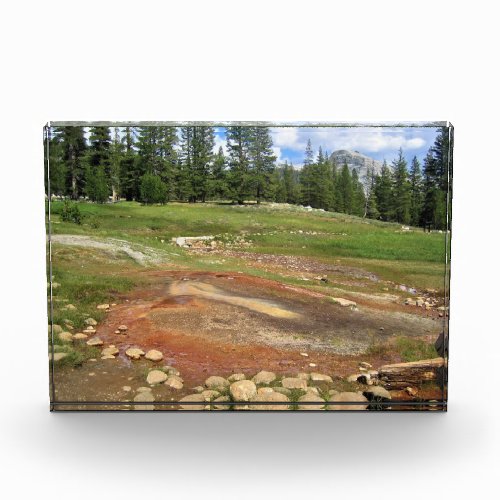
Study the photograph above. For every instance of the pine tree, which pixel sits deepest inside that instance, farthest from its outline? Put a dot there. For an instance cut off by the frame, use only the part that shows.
(116, 157)
(201, 155)
(57, 170)
(416, 192)
(384, 194)
(307, 176)
(290, 184)
(358, 195)
(239, 176)
(401, 192)
(97, 172)
(345, 190)
(333, 201)
(217, 185)
(129, 177)
(262, 160)
(73, 150)
(371, 198)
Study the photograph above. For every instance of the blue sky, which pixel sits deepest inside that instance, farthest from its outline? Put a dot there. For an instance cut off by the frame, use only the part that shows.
(378, 143)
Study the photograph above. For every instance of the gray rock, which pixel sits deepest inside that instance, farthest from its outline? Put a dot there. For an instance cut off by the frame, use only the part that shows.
(319, 377)
(90, 322)
(243, 390)
(217, 403)
(294, 383)
(311, 398)
(144, 397)
(154, 355)
(352, 397)
(156, 377)
(174, 382)
(65, 336)
(264, 377)
(96, 341)
(269, 397)
(236, 376)
(282, 390)
(134, 353)
(377, 393)
(216, 383)
(193, 398)
(210, 395)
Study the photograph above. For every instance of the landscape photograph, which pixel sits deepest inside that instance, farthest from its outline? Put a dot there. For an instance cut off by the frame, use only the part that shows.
(248, 266)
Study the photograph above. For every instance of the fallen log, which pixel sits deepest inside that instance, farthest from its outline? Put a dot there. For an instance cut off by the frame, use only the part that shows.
(402, 375)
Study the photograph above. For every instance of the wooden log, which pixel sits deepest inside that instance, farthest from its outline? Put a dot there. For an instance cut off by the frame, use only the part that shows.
(402, 375)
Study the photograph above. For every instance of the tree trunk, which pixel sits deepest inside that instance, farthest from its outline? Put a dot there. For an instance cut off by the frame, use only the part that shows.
(402, 375)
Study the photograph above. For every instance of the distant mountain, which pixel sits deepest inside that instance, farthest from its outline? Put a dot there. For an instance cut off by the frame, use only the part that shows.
(356, 161)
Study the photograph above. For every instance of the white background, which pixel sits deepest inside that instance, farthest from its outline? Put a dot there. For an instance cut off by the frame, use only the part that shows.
(225, 60)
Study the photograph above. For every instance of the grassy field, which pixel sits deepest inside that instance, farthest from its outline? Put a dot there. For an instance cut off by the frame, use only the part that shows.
(414, 257)
(86, 277)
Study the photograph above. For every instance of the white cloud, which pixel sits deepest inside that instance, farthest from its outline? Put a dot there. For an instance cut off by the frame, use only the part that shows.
(220, 141)
(370, 140)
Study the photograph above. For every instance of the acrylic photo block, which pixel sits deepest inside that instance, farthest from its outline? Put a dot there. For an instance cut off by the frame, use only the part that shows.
(248, 266)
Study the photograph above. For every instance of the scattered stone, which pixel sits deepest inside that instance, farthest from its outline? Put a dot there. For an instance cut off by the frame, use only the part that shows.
(332, 392)
(193, 398)
(265, 390)
(143, 389)
(156, 377)
(304, 354)
(319, 377)
(235, 377)
(110, 351)
(91, 374)
(377, 393)
(96, 341)
(221, 399)
(364, 364)
(174, 382)
(312, 390)
(70, 307)
(89, 329)
(352, 397)
(80, 336)
(311, 398)
(117, 331)
(134, 353)
(122, 328)
(410, 302)
(304, 376)
(282, 390)
(126, 388)
(210, 395)
(171, 370)
(243, 390)
(154, 355)
(294, 383)
(215, 383)
(411, 391)
(344, 302)
(264, 377)
(103, 306)
(56, 329)
(144, 397)
(199, 389)
(58, 356)
(313, 365)
(66, 336)
(68, 322)
(90, 322)
(270, 397)
(108, 356)
(353, 377)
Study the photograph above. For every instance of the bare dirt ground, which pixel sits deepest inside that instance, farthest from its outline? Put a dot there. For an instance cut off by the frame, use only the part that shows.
(223, 323)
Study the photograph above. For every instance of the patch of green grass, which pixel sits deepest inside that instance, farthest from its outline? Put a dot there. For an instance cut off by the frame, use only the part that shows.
(77, 355)
(415, 349)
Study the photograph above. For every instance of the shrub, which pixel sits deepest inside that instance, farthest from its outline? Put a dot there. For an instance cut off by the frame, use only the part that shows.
(71, 213)
(153, 189)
